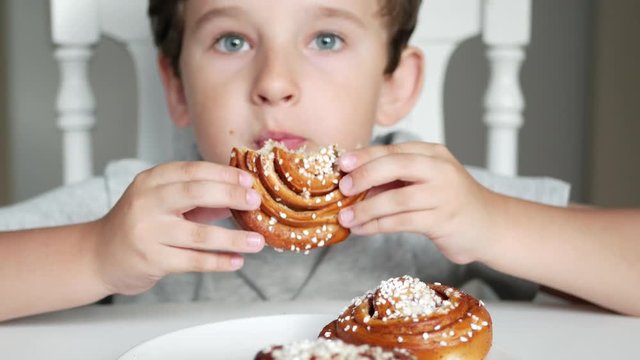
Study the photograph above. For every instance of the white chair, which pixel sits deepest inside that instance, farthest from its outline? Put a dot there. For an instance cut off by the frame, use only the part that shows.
(77, 26)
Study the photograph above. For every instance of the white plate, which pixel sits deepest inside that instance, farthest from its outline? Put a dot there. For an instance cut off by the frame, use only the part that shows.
(237, 339)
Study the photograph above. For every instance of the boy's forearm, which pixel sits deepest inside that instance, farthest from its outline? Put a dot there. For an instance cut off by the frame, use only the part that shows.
(48, 269)
(589, 253)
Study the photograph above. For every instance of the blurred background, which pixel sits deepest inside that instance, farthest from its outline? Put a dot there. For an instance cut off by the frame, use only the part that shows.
(579, 79)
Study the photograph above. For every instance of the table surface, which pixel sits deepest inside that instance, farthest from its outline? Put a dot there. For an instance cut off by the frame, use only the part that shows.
(522, 330)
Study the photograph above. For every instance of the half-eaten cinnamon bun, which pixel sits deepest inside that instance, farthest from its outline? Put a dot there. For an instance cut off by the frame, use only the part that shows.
(300, 196)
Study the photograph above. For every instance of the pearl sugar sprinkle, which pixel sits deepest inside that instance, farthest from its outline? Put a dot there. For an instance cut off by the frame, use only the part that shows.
(410, 297)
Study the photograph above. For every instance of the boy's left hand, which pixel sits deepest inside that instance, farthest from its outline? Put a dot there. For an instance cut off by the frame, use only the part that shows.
(422, 188)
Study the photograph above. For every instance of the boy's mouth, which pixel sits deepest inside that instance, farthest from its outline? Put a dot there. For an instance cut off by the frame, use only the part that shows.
(292, 142)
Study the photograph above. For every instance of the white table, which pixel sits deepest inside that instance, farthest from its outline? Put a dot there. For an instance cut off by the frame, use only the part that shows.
(523, 330)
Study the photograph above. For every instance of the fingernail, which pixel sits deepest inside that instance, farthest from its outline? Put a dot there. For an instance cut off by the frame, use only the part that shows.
(346, 216)
(254, 241)
(346, 184)
(246, 179)
(237, 262)
(347, 162)
(253, 198)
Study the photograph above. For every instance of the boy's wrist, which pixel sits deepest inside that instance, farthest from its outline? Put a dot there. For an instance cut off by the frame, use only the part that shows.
(496, 232)
(92, 233)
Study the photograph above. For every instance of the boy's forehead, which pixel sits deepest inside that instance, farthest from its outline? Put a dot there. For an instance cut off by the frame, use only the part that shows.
(365, 13)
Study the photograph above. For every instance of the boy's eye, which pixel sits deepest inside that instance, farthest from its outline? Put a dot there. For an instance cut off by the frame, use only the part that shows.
(232, 44)
(328, 42)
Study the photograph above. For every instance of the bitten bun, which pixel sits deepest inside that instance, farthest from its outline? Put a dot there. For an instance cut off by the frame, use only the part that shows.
(300, 196)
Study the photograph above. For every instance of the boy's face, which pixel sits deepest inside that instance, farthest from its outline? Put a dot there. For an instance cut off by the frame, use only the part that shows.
(305, 72)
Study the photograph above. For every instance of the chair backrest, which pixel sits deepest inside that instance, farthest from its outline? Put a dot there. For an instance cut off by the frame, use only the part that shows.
(77, 25)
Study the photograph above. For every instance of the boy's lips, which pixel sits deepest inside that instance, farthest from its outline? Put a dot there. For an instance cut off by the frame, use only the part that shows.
(292, 142)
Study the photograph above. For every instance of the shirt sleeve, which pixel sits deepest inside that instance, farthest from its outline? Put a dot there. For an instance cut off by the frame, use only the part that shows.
(544, 190)
(82, 202)
(72, 204)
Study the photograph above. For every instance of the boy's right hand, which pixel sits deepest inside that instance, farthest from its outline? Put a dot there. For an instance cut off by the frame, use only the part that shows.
(152, 230)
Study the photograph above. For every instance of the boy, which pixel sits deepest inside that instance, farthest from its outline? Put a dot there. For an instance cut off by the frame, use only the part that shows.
(311, 73)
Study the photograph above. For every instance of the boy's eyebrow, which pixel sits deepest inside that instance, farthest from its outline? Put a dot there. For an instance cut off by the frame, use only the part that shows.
(235, 11)
(331, 12)
(223, 11)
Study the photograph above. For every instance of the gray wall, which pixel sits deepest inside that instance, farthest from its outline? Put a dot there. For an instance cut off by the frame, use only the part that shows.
(615, 135)
(554, 81)
(4, 146)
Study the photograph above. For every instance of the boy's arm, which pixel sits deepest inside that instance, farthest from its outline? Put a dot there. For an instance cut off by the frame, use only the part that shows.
(590, 253)
(155, 229)
(422, 188)
(48, 269)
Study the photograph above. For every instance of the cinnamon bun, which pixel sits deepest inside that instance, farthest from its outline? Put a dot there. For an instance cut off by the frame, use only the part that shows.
(432, 321)
(300, 196)
(330, 349)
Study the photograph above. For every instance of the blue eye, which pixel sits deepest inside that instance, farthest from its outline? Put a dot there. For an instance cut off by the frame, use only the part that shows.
(328, 42)
(232, 44)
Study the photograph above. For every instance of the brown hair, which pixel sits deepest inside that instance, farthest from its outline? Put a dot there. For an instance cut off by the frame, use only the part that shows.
(167, 24)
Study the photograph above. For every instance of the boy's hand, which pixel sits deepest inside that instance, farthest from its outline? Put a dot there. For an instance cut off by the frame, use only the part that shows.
(419, 187)
(155, 230)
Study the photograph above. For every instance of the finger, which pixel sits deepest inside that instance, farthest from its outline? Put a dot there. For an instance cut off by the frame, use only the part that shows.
(213, 238)
(187, 260)
(353, 159)
(184, 196)
(386, 169)
(206, 215)
(182, 171)
(386, 187)
(406, 199)
(404, 222)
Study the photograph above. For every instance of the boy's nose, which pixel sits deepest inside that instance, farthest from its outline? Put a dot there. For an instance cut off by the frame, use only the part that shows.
(275, 85)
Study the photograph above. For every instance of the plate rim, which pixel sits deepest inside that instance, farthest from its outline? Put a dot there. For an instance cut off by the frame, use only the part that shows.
(125, 355)
(130, 355)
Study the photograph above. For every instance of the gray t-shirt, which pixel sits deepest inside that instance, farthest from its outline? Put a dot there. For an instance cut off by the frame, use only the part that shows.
(340, 272)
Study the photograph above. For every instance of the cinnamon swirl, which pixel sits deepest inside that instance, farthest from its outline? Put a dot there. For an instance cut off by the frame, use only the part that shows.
(300, 196)
(432, 321)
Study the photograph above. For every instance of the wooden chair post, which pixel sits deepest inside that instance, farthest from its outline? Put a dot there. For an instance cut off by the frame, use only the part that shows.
(74, 29)
(506, 32)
